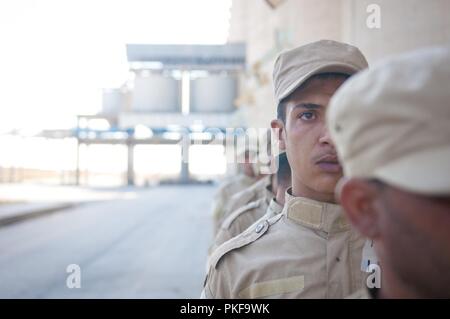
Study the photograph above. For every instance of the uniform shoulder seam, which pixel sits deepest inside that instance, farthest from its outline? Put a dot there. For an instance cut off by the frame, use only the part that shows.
(238, 212)
(250, 235)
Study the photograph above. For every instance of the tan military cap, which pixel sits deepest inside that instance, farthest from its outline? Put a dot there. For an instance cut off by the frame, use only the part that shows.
(294, 67)
(393, 122)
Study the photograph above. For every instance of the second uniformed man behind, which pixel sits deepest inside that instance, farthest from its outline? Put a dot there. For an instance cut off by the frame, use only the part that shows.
(309, 250)
(246, 177)
(268, 205)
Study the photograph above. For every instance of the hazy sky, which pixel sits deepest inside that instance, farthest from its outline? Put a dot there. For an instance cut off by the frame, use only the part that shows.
(56, 55)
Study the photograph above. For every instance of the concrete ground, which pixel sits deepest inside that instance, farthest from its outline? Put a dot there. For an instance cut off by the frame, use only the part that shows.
(149, 244)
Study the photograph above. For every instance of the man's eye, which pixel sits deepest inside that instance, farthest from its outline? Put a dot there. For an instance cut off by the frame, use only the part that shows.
(308, 116)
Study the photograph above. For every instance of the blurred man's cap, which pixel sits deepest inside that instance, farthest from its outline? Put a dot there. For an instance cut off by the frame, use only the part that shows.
(393, 122)
(293, 67)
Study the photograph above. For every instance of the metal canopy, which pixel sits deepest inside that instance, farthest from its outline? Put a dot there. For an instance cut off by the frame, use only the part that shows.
(228, 56)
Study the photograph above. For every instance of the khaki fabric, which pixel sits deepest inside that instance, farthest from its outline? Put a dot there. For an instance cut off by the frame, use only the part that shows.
(274, 209)
(226, 190)
(307, 251)
(244, 217)
(392, 122)
(257, 190)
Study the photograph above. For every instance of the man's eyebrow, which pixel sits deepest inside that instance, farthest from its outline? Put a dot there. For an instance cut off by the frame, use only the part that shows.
(309, 106)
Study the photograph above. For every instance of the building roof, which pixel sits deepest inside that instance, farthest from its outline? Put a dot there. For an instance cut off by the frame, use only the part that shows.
(228, 56)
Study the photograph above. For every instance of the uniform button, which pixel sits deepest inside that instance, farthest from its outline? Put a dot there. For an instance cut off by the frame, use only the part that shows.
(259, 228)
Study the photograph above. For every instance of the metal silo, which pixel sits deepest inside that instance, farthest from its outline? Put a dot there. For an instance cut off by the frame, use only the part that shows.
(156, 93)
(112, 101)
(213, 93)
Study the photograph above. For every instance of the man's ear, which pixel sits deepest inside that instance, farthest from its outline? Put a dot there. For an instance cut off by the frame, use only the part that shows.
(357, 196)
(277, 126)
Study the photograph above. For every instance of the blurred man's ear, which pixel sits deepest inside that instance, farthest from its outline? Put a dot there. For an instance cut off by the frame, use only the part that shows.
(357, 196)
(277, 126)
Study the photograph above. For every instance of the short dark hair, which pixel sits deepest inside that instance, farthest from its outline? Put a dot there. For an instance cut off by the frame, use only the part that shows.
(281, 108)
(284, 170)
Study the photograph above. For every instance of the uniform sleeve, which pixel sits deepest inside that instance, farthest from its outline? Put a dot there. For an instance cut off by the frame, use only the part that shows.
(206, 292)
(217, 285)
(218, 209)
(222, 236)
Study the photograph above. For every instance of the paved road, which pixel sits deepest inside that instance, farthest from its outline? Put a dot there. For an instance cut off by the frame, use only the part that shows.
(152, 245)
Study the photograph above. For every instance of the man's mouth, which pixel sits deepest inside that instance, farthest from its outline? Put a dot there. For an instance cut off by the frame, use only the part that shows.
(329, 163)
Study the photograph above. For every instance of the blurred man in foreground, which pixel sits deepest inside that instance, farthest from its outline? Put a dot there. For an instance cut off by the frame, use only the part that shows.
(391, 126)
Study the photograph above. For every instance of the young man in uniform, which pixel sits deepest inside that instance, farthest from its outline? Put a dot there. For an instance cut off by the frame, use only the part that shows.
(309, 250)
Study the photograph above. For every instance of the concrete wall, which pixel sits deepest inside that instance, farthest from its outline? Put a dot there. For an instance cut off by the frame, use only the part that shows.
(267, 32)
(405, 25)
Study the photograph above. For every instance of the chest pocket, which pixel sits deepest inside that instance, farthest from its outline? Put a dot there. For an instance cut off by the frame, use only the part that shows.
(273, 287)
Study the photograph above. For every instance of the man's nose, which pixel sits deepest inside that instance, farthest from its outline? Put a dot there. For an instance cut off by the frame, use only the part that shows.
(325, 137)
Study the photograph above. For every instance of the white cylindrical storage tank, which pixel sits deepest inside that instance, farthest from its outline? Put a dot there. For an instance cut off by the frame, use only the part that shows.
(112, 101)
(156, 93)
(215, 93)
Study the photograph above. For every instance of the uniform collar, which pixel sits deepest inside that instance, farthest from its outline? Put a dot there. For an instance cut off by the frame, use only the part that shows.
(274, 206)
(260, 185)
(316, 215)
(247, 179)
(267, 193)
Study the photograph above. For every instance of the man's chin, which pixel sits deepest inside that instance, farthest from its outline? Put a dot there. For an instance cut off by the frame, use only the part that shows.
(327, 183)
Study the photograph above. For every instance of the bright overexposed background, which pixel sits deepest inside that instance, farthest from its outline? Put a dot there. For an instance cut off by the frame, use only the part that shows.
(55, 56)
